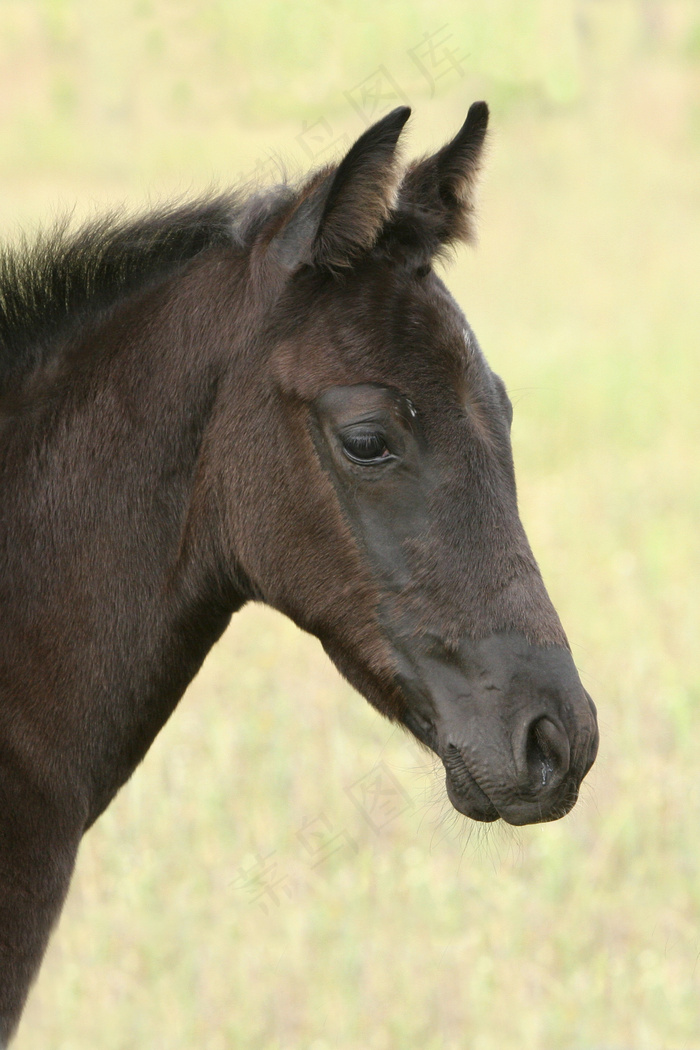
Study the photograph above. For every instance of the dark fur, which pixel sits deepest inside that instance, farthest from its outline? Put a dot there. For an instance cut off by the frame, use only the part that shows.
(158, 470)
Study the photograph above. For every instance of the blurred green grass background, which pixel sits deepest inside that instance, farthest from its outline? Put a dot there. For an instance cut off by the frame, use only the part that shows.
(284, 871)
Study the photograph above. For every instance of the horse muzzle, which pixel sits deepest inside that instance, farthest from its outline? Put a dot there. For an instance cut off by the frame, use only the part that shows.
(514, 727)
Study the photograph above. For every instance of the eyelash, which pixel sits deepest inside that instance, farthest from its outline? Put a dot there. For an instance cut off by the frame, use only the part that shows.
(356, 446)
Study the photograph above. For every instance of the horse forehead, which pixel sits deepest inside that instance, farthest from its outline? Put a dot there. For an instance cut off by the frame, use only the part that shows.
(412, 321)
(383, 327)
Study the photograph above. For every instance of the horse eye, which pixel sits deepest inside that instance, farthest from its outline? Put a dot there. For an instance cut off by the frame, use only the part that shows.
(365, 447)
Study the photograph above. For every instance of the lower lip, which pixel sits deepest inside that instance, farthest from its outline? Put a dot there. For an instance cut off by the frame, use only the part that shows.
(481, 810)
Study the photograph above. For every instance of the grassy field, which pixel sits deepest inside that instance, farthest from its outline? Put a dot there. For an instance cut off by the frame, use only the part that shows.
(284, 872)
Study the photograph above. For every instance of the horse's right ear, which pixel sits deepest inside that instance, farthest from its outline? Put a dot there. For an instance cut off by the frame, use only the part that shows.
(441, 187)
(338, 214)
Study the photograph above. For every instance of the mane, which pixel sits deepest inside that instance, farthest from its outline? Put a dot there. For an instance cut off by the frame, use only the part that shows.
(65, 277)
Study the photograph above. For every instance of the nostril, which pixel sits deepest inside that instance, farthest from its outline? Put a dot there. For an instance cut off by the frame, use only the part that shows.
(539, 761)
(546, 753)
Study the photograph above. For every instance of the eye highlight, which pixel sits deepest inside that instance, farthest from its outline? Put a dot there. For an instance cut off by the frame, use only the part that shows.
(366, 447)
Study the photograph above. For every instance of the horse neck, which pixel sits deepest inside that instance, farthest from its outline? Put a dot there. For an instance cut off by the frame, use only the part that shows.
(114, 568)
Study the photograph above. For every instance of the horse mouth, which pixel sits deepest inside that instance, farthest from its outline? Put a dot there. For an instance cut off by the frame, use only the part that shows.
(471, 800)
(463, 791)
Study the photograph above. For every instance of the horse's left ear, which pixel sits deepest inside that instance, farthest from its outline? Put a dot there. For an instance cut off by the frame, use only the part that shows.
(441, 187)
(340, 211)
